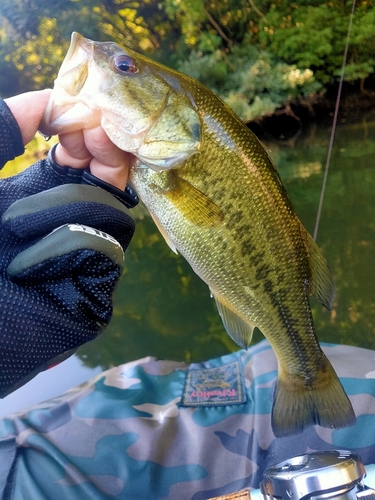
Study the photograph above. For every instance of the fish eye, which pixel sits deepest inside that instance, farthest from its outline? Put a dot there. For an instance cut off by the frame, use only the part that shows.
(124, 64)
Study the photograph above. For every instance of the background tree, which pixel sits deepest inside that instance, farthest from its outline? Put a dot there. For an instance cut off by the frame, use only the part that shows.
(313, 35)
(256, 54)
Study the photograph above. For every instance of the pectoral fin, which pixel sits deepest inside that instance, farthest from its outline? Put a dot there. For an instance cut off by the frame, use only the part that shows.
(194, 205)
(238, 329)
(322, 286)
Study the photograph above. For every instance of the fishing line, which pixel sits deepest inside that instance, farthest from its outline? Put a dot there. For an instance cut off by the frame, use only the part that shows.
(334, 124)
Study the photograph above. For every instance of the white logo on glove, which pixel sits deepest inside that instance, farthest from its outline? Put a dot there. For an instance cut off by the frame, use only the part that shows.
(94, 232)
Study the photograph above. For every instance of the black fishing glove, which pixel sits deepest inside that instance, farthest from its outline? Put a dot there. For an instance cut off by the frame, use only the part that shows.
(57, 277)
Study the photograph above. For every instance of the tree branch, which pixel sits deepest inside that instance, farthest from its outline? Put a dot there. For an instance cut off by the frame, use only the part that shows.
(260, 14)
(217, 28)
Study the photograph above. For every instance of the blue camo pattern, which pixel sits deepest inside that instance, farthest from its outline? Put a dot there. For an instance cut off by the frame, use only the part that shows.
(124, 435)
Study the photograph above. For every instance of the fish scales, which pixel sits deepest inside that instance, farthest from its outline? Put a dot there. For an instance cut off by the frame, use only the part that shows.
(240, 223)
(217, 199)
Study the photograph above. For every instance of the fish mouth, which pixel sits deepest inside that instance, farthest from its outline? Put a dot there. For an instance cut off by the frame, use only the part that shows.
(67, 110)
(73, 71)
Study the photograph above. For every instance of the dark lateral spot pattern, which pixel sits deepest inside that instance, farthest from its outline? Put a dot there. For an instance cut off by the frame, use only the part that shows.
(268, 286)
(262, 272)
(247, 248)
(256, 259)
(235, 218)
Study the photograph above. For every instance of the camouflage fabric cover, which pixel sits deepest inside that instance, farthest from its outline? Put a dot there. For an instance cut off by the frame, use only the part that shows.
(155, 429)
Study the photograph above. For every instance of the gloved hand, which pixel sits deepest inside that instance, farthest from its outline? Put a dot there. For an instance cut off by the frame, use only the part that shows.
(57, 276)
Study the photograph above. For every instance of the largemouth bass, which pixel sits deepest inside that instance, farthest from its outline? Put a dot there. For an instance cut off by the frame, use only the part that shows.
(217, 198)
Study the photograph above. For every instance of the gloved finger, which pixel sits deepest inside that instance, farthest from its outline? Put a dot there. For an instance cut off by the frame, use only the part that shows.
(63, 241)
(41, 213)
(75, 267)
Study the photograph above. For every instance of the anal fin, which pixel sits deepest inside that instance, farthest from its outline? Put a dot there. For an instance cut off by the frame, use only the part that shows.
(240, 330)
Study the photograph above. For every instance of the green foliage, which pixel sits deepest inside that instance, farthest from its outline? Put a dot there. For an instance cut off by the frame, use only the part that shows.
(313, 35)
(256, 54)
(189, 14)
(35, 35)
(249, 80)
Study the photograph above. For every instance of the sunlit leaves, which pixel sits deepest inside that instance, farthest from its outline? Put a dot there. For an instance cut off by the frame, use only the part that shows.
(37, 57)
(35, 40)
(189, 14)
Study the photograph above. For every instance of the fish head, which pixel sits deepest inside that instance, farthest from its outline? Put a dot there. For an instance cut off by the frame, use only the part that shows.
(139, 103)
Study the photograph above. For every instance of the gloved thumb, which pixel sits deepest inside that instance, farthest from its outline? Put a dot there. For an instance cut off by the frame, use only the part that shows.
(36, 215)
(63, 241)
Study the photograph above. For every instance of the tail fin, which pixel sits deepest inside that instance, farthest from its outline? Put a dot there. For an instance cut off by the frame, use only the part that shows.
(297, 406)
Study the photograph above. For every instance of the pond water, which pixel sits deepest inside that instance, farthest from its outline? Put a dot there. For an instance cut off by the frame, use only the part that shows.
(163, 309)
